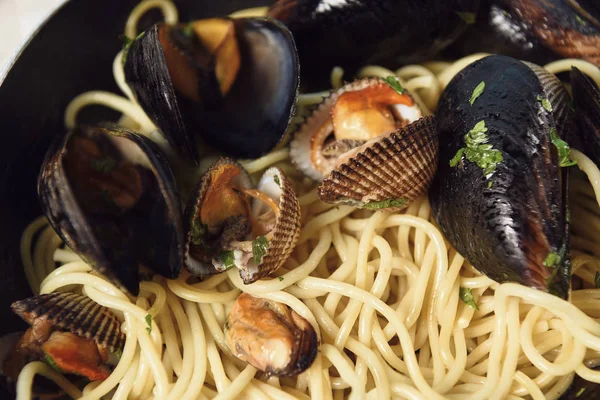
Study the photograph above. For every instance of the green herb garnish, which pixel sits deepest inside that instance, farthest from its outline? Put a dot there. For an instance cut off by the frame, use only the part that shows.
(259, 248)
(580, 392)
(227, 259)
(468, 17)
(545, 103)
(104, 165)
(552, 259)
(597, 280)
(198, 231)
(477, 92)
(277, 181)
(395, 84)
(489, 185)
(478, 151)
(466, 295)
(564, 152)
(148, 319)
(50, 361)
(581, 20)
(378, 205)
(127, 42)
(280, 278)
(188, 30)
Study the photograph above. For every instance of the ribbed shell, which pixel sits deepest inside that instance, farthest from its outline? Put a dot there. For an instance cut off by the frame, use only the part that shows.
(286, 231)
(586, 97)
(398, 168)
(301, 146)
(77, 314)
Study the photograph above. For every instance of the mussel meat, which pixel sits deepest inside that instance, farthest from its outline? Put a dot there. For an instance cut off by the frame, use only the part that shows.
(270, 336)
(586, 98)
(536, 30)
(230, 223)
(500, 194)
(364, 145)
(234, 82)
(70, 332)
(362, 32)
(111, 196)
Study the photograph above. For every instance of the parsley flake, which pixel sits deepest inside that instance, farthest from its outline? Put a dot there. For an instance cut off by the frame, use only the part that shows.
(489, 185)
(50, 361)
(552, 259)
(478, 151)
(188, 30)
(259, 248)
(378, 205)
(564, 152)
(582, 21)
(466, 295)
(280, 278)
(104, 165)
(277, 181)
(468, 17)
(580, 392)
(395, 84)
(597, 280)
(148, 319)
(227, 259)
(198, 231)
(545, 103)
(127, 42)
(477, 92)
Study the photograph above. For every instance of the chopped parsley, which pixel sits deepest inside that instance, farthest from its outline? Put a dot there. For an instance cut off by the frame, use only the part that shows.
(552, 259)
(468, 17)
(259, 248)
(466, 295)
(478, 151)
(597, 280)
(277, 181)
(198, 231)
(580, 392)
(545, 103)
(395, 84)
(104, 165)
(378, 205)
(477, 92)
(582, 21)
(564, 152)
(280, 278)
(188, 30)
(489, 185)
(227, 259)
(127, 42)
(148, 319)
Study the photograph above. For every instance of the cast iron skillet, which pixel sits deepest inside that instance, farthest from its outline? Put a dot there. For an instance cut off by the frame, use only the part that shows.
(71, 53)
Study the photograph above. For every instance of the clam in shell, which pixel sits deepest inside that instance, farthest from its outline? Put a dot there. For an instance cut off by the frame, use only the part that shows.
(230, 224)
(270, 336)
(388, 172)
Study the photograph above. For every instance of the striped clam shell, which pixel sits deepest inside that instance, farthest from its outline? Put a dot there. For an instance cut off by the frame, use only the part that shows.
(286, 232)
(74, 313)
(390, 172)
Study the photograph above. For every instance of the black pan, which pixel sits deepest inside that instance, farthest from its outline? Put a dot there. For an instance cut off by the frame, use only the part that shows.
(71, 53)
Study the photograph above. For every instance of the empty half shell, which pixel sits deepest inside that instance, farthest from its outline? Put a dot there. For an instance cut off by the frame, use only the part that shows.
(388, 172)
(74, 313)
(231, 224)
(350, 117)
(270, 336)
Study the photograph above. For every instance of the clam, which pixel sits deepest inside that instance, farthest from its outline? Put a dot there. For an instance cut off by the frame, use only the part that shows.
(500, 194)
(231, 224)
(270, 336)
(70, 332)
(363, 143)
(363, 32)
(586, 97)
(537, 30)
(111, 196)
(233, 82)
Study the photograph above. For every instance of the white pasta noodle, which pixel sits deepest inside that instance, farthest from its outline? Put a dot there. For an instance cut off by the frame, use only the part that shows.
(381, 290)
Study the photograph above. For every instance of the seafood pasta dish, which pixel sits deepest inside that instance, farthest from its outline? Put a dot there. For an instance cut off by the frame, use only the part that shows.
(325, 199)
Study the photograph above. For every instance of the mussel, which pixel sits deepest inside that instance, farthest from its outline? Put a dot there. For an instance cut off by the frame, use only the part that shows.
(111, 196)
(536, 30)
(362, 32)
(234, 82)
(270, 336)
(500, 194)
(231, 224)
(586, 98)
(70, 332)
(363, 143)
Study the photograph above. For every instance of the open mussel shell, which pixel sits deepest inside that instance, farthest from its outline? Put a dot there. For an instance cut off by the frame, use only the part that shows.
(74, 313)
(500, 195)
(229, 223)
(270, 336)
(586, 98)
(536, 30)
(110, 195)
(389, 173)
(362, 32)
(347, 120)
(239, 96)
